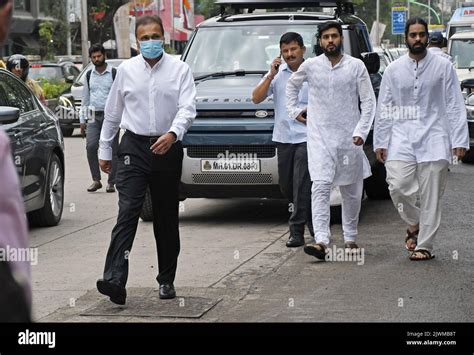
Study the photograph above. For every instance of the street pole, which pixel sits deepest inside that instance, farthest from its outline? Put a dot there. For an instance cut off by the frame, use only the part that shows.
(429, 13)
(172, 25)
(408, 8)
(377, 24)
(84, 33)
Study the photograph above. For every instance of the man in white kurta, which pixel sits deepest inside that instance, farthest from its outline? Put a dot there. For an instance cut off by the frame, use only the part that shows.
(337, 129)
(420, 118)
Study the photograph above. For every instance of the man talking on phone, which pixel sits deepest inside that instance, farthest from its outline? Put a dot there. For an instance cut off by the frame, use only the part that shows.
(290, 135)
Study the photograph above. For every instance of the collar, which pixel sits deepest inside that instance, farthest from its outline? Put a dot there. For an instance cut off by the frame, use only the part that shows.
(286, 67)
(424, 61)
(326, 59)
(157, 65)
(108, 68)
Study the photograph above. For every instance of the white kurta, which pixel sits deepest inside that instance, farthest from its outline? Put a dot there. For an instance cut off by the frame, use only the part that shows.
(334, 117)
(421, 114)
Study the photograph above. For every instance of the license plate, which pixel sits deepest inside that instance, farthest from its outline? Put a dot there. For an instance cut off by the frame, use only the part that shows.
(230, 165)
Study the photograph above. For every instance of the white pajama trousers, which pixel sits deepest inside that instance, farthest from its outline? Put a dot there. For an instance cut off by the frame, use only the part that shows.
(320, 205)
(409, 182)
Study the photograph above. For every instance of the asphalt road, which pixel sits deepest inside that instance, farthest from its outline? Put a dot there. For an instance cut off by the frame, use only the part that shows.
(233, 252)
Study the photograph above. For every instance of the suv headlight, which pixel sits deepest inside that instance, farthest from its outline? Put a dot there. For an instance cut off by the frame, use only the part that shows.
(470, 100)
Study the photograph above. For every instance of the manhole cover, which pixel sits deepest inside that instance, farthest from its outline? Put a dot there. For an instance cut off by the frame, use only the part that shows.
(153, 306)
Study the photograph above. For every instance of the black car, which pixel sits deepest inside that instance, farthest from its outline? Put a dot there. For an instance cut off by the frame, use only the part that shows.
(37, 147)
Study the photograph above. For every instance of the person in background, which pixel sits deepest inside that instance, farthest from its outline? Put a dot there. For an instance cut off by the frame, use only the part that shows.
(290, 136)
(96, 89)
(20, 66)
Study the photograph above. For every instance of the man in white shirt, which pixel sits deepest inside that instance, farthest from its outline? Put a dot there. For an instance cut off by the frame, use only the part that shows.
(337, 129)
(290, 135)
(153, 100)
(435, 45)
(420, 123)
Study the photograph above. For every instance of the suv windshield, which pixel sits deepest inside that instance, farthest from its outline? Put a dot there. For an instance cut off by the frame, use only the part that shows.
(462, 51)
(250, 48)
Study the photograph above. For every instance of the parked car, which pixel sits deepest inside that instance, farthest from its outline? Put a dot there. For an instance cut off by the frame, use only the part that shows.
(467, 86)
(228, 55)
(461, 49)
(38, 150)
(71, 100)
(65, 72)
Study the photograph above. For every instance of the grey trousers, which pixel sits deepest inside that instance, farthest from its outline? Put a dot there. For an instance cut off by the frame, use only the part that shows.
(94, 126)
(295, 185)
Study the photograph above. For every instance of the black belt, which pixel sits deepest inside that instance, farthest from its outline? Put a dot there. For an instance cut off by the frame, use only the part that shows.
(151, 139)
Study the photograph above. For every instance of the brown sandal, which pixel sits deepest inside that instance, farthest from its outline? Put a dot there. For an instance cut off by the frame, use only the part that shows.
(426, 255)
(351, 247)
(411, 238)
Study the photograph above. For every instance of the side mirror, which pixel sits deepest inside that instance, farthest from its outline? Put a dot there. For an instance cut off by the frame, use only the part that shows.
(9, 114)
(371, 61)
(70, 79)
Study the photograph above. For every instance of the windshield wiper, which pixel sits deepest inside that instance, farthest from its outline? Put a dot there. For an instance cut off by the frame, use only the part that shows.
(239, 72)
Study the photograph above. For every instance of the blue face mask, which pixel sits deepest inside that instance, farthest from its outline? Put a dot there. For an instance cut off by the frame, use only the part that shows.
(151, 49)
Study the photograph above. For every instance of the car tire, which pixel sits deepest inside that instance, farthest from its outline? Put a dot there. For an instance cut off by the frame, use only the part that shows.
(375, 186)
(469, 157)
(50, 214)
(67, 132)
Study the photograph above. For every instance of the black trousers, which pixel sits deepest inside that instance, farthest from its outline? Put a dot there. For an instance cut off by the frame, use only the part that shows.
(139, 169)
(295, 185)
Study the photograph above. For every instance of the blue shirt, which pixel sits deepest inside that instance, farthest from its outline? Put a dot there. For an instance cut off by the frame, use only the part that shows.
(95, 98)
(286, 129)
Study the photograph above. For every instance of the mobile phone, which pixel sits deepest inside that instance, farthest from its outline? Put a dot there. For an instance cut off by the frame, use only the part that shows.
(278, 65)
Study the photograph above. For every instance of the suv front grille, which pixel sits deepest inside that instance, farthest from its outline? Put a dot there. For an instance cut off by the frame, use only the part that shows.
(233, 179)
(255, 114)
(212, 151)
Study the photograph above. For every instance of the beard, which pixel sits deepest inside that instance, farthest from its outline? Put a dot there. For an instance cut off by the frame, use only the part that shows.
(333, 52)
(420, 48)
(99, 63)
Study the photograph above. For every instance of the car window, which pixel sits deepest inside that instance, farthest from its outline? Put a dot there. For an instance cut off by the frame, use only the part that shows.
(15, 94)
(72, 70)
(38, 72)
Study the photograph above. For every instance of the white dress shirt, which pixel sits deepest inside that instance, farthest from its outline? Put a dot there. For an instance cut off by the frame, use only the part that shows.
(286, 129)
(149, 101)
(421, 113)
(334, 117)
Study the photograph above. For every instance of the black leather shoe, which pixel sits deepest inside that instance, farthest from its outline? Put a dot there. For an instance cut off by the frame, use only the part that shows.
(110, 188)
(96, 185)
(117, 293)
(294, 242)
(167, 291)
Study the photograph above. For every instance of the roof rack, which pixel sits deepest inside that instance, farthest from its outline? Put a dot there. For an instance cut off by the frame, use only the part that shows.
(238, 5)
